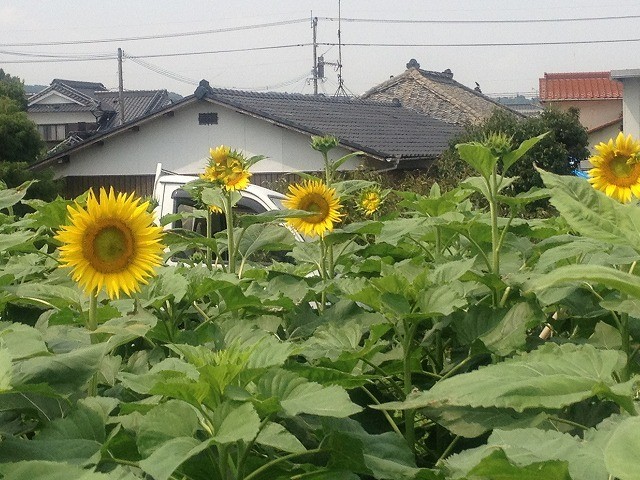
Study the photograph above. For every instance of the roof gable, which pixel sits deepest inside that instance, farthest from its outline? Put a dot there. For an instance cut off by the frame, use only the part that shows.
(53, 97)
(80, 97)
(436, 94)
(579, 86)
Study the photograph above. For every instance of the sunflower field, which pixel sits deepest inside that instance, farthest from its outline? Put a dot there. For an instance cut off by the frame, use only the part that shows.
(451, 339)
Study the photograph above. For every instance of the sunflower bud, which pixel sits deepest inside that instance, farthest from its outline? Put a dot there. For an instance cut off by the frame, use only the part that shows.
(324, 144)
(498, 142)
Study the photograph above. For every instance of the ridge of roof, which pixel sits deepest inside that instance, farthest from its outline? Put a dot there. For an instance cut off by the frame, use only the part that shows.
(577, 75)
(84, 85)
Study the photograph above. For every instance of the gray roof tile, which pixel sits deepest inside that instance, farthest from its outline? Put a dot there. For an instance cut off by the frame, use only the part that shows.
(137, 103)
(383, 129)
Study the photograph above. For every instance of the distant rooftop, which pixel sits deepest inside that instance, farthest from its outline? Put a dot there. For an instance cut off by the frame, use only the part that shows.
(436, 94)
(579, 86)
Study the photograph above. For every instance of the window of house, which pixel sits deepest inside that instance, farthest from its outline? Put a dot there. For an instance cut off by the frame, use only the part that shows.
(51, 133)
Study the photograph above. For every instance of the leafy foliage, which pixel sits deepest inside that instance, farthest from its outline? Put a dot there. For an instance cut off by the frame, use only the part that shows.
(448, 342)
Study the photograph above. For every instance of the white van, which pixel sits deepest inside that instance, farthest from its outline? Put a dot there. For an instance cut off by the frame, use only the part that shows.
(171, 198)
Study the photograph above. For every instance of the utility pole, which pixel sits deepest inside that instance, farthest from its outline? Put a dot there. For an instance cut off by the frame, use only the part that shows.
(314, 25)
(120, 86)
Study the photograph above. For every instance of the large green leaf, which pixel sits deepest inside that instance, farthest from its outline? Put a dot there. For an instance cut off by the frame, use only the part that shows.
(19, 239)
(298, 395)
(383, 456)
(235, 423)
(64, 372)
(478, 156)
(44, 470)
(497, 466)
(22, 341)
(510, 333)
(276, 436)
(591, 213)
(585, 457)
(5, 368)
(264, 237)
(11, 196)
(169, 420)
(165, 459)
(581, 274)
(553, 376)
(471, 422)
(73, 451)
(46, 295)
(513, 156)
(125, 329)
(442, 299)
(621, 453)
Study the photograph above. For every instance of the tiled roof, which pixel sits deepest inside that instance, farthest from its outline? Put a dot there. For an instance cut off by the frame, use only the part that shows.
(382, 129)
(137, 103)
(435, 94)
(579, 86)
(60, 107)
(83, 97)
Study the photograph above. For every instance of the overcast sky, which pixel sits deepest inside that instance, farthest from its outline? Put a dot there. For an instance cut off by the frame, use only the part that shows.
(51, 25)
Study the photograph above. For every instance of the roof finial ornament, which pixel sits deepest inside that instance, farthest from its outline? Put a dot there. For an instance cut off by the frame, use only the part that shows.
(203, 89)
(413, 63)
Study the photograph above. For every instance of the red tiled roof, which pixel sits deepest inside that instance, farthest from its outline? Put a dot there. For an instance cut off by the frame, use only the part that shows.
(579, 86)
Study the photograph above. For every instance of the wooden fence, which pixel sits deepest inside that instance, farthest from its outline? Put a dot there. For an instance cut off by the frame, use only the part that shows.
(143, 184)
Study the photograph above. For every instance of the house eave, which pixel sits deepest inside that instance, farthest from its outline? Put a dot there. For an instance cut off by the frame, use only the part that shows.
(133, 125)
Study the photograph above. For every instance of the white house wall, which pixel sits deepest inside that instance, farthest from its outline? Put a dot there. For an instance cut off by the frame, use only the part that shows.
(59, 118)
(182, 146)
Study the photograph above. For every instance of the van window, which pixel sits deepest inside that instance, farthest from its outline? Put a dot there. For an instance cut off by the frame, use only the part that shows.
(183, 203)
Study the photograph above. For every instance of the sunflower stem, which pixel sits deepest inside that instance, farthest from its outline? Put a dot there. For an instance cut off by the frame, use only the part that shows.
(209, 229)
(231, 248)
(92, 325)
(92, 322)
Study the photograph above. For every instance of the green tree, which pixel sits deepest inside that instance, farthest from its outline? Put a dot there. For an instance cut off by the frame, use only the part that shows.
(20, 142)
(13, 88)
(559, 152)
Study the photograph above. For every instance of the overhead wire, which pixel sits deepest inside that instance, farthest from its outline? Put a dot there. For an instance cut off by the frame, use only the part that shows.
(486, 44)
(158, 36)
(480, 22)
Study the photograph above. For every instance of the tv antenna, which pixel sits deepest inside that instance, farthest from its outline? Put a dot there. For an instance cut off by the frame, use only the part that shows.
(340, 91)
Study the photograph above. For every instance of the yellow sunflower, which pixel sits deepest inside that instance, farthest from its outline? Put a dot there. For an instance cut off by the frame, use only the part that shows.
(219, 154)
(112, 244)
(370, 200)
(227, 168)
(315, 197)
(616, 168)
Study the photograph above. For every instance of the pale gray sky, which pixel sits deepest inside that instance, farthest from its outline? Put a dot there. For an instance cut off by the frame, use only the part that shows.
(498, 69)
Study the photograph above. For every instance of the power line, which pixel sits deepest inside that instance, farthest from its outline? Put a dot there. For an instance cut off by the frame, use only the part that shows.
(159, 36)
(496, 44)
(163, 71)
(532, 20)
(69, 58)
(231, 50)
(285, 83)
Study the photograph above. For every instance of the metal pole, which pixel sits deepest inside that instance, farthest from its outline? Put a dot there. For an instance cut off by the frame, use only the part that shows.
(120, 87)
(314, 24)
